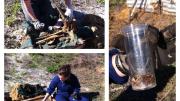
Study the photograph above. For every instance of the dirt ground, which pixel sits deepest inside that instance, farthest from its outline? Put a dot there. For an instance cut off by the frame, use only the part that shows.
(119, 19)
(166, 79)
(89, 68)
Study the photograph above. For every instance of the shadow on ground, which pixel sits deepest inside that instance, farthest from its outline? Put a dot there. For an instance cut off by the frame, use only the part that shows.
(163, 75)
(95, 40)
(90, 95)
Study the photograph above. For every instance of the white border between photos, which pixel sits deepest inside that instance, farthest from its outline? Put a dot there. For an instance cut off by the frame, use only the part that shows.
(106, 78)
(105, 51)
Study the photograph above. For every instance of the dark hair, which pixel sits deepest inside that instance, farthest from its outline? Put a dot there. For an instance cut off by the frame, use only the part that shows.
(65, 70)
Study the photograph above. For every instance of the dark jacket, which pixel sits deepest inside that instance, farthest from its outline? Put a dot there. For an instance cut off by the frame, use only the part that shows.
(65, 88)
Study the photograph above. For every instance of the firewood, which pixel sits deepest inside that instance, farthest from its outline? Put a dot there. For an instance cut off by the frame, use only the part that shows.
(48, 39)
(58, 32)
(66, 26)
(70, 25)
(69, 28)
(74, 26)
(35, 98)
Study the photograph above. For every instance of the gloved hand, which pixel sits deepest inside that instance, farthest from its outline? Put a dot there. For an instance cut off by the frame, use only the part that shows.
(121, 63)
(115, 75)
(75, 96)
(69, 13)
(38, 25)
(59, 23)
(119, 60)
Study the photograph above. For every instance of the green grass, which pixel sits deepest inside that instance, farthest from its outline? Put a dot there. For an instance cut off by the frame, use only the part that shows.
(23, 73)
(117, 1)
(114, 3)
(12, 71)
(53, 68)
(58, 60)
(100, 1)
(50, 62)
(13, 10)
(33, 65)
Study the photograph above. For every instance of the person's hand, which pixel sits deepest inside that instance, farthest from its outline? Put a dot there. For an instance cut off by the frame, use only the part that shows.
(69, 13)
(75, 96)
(46, 97)
(38, 25)
(59, 24)
(120, 62)
(43, 100)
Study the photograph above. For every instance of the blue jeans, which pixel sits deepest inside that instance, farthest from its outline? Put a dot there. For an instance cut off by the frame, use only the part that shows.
(60, 97)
